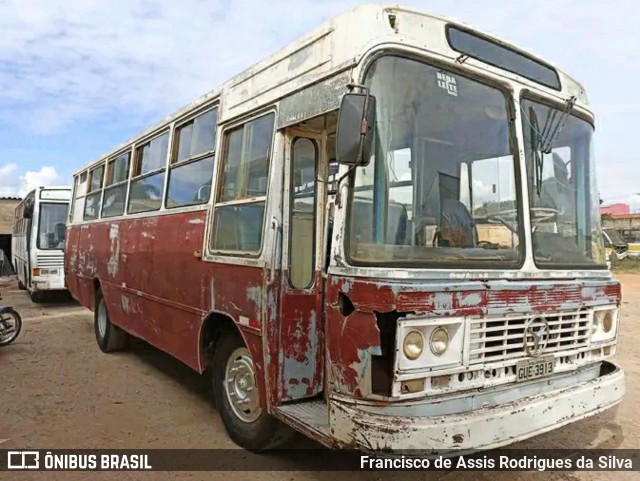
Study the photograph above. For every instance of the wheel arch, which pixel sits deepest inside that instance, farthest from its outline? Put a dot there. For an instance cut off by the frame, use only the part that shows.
(214, 325)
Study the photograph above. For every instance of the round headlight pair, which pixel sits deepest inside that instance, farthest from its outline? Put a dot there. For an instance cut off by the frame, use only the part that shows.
(413, 343)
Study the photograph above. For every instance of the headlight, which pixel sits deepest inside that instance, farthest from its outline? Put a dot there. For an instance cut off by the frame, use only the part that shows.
(439, 341)
(605, 323)
(429, 343)
(413, 345)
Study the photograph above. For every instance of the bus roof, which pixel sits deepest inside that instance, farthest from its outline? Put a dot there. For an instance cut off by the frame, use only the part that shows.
(336, 46)
(33, 191)
(48, 187)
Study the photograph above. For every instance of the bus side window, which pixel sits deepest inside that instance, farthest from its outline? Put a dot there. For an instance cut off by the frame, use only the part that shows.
(92, 200)
(240, 206)
(115, 191)
(147, 184)
(191, 169)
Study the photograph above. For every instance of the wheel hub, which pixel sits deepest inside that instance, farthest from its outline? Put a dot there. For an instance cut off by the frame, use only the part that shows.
(240, 386)
(102, 319)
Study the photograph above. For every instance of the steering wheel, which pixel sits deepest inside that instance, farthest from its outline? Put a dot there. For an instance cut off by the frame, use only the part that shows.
(509, 217)
(487, 245)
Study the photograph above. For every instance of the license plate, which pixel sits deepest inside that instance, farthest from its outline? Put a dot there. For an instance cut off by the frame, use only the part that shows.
(533, 368)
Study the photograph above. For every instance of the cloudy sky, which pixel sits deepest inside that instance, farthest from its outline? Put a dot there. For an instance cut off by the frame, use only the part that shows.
(77, 77)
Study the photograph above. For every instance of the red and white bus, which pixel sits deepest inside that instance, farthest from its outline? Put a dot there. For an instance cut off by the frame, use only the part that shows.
(386, 235)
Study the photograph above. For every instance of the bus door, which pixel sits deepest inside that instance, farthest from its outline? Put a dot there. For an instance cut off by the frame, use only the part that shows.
(301, 314)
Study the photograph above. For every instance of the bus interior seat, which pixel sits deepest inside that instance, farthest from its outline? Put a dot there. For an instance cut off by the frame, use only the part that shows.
(397, 222)
(457, 226)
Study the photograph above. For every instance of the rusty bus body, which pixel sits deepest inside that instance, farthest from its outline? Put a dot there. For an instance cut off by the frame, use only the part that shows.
(327, 337)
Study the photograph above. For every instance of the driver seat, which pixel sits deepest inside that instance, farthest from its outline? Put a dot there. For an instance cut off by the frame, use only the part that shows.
(457, 226)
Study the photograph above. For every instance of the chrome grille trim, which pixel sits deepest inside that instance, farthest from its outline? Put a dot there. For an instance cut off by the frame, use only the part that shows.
(502, 338)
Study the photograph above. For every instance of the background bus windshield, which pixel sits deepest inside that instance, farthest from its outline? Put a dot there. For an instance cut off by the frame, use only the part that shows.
(440, 187)
(51, 226)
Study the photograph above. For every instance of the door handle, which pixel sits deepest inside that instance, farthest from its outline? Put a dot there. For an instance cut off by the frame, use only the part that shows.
(275, 225)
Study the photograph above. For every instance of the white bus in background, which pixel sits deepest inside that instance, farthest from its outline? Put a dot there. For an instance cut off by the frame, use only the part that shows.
(39, 231)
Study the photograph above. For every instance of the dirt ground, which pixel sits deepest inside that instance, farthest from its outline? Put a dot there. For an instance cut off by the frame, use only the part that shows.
(59, 391)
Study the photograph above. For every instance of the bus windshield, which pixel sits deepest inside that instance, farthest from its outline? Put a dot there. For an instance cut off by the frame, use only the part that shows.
(441, 185)
(563, 197)
(51, 226)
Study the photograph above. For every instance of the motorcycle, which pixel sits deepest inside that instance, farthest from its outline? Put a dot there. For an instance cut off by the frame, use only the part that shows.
(10, 324)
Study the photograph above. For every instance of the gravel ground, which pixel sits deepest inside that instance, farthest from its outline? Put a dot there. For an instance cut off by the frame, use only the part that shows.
(59, 391)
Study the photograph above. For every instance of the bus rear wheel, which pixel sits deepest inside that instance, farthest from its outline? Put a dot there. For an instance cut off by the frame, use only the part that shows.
(110, 337)
(237, 398)
(21, 286)
(36, 296)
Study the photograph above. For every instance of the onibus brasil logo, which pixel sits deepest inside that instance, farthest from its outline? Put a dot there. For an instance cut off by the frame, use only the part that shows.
(34, 460)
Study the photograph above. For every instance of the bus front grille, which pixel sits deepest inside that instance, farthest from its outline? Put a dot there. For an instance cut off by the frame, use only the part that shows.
(50, 259)
(501, 339)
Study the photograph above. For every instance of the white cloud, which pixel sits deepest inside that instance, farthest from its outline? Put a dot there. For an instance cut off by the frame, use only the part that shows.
(32, 179)
(13, 184)
(134, 61)
(128, 63)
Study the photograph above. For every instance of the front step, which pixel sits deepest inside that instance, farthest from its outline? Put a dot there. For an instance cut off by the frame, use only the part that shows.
(309, 417)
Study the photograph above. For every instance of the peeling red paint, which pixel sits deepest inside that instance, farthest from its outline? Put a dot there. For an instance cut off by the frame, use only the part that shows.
(157, 289)
(153, 265)
(301, 343)
(356, 335)
(255, 323)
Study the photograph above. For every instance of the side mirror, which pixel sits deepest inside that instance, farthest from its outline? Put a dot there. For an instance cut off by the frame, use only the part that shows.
(355, 129)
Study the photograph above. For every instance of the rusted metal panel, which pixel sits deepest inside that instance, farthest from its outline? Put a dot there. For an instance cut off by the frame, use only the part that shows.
(374, 428)
(271, 338)
(157, 289)
(154, 285)
(354, 337)
(313, 101)
(255, 346)
(550, 296)
(301, 343)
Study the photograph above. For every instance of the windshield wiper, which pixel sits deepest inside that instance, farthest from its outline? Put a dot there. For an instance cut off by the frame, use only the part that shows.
(536, 140)
(542, 142)
(550, 132)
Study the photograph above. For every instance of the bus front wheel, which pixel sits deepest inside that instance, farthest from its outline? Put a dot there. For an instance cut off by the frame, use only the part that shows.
(237, 398)
(110, 337)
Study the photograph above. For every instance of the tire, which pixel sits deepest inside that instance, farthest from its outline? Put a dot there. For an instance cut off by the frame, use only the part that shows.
(36, 296)
(22, 286)
(110, 338)
(250, 427)
(17, 327)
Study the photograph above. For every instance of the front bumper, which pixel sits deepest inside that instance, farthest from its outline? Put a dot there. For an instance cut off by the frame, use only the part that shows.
(44, 283)
(479, 429)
